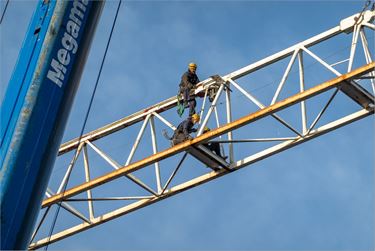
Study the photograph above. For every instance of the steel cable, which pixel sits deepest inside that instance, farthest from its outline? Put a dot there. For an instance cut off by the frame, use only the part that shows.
(5, 9)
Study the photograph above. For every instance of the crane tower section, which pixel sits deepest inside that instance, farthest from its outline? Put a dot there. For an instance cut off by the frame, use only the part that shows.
(36, 106)
(149, 178)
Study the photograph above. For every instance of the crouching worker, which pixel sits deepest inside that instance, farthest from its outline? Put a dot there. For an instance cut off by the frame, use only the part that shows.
(213, 146)
(184, 129)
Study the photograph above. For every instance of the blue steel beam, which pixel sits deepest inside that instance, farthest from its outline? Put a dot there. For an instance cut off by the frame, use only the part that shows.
(36, 106)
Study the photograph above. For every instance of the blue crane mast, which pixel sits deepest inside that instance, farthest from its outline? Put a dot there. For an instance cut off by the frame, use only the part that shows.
(36, 106)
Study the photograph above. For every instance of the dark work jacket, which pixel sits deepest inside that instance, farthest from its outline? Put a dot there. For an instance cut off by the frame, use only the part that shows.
(185, 127)
(189, 80)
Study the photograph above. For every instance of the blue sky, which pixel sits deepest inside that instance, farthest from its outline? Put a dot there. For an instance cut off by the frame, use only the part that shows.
(316, 196)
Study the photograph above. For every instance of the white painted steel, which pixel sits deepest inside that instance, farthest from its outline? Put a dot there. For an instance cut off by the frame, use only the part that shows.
(254, 140)
(340, 62)
(201, 179)
(314, 133)
(144, 115)
(171, 102)
(320, 114)
(346, 25)
(283, 54)
(248, 95)
(337, 73)
(285, 76)
(229, 119)
(87, 178)
(213, 104)
(108, 159)
(368, 57)
(368, 16)
(174, 173)
(139, 136)
(116, 166)
(170, 125)
(218, 125)
(353, 46)
(68, 207)
(112, 198)
(302, 88)
(321, 61)
(260, 105)
(216, 118)
(130, 120)
(203, 106)
(365, 46)
(70, 168)
(155, 150)
(369, 25)
(39, 224)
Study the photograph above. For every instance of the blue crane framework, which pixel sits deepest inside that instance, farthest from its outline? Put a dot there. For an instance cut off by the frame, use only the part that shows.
(350, 81)
(36, 106)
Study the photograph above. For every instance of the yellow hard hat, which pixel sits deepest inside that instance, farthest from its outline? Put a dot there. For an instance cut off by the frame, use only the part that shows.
(206, 129)
(195, 117)
(193, 65)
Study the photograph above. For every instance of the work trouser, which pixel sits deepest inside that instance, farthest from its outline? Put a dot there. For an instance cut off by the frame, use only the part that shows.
(214, 147)
(178, 138)
(188, 100)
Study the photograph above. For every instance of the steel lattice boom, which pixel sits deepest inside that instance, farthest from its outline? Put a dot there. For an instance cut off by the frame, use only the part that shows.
(286, 108)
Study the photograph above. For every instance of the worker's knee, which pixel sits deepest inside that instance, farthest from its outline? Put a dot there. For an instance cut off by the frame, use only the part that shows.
(179, 138)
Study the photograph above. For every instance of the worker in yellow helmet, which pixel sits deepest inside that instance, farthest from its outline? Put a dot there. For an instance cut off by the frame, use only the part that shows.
(188, 82)
(184, 129)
